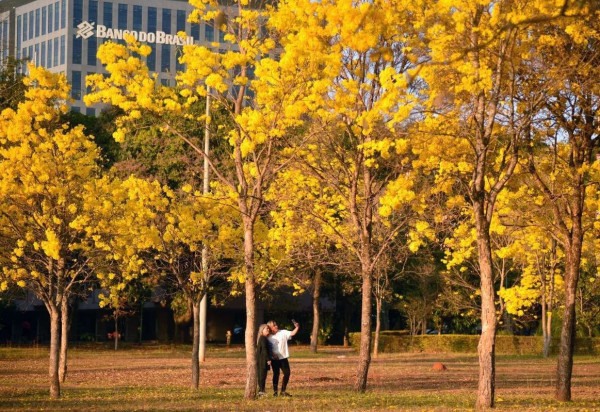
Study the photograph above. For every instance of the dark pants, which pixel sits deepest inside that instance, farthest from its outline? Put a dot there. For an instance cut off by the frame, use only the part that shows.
(262, 371)
(284, 365)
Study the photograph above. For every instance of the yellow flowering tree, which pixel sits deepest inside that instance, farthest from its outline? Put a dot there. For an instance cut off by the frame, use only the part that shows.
(562, 151)
(359, 49)
(264, 96)
(474, 121)
(44, 167)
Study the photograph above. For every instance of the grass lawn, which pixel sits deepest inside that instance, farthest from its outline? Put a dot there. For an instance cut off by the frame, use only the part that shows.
(157, 378)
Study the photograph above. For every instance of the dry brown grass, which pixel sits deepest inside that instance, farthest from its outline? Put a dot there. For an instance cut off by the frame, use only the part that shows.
(157, 378)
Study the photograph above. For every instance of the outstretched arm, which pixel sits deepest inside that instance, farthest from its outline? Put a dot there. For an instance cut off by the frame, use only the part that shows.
(296, 328)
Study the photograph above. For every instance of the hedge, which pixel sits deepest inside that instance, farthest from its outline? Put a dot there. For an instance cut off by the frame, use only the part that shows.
(399, 341)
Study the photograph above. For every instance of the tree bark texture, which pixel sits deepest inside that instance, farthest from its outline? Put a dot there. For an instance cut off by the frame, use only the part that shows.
(196, 345)
(54, 352)
(564, 368)
(364, 359)
(250, 335)
(314, 336)
(377, 327)
(64, 340)
(487, 342)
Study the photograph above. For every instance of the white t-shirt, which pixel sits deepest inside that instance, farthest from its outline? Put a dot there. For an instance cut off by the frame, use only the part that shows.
(279, 343)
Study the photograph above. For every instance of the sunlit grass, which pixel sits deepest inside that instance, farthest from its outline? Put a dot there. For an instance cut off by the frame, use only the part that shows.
(157, 377)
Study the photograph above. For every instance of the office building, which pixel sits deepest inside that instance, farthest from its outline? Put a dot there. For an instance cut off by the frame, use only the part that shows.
(64, 35)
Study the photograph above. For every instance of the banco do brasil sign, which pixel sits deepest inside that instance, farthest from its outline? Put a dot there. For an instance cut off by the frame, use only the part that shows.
(86, 30)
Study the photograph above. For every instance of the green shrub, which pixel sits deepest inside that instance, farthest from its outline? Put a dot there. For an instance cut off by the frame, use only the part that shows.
(399, 341)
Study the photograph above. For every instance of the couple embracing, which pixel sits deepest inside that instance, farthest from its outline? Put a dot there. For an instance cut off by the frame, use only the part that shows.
(272, 351)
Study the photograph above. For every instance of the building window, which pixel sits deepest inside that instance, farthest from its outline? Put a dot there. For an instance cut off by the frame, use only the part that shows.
(44, 20)
(76, 84)
(55, 59)
(222, 36)
(37, 22)
(25, 21)
(56, 16)
(43, 55)
(77, 12)
(137, 18)
(180, 20)
(196, 31)
(49, 62)
(63, 14)
(166, 20)
(19, 35)
(90, 111)
(31, 25)
(50, 17)
(77, 49)
(151, 59)
(152, 19)
(107, 17)
(36, 55)
(122, 17)
(30, 53)
(75, 109)
(209, 31)
(165, 58)
(92, 49)
(62, 49)
(93, 11)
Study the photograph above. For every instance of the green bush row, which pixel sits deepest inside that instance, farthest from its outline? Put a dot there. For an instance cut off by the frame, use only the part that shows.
(398, 341)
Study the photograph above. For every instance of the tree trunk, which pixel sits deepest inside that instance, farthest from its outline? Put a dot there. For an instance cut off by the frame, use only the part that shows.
(250, 335)
(487, 342)
(314, 336)
(196, 345)
(202, 328)
(364, 359)
(377, 327)
(564, 369)
(64, 340)
(54, 352)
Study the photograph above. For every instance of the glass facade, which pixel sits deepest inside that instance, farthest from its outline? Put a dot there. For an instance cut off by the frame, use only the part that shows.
(165, 59)
(209, 31)
(31, 25)
(122, 17)
(137, 18)
(37, 22)
(77, 50)
(77, 12)
(76, 84)
(37, 37)
(152, 20)
(62, 49)
(166, 20)
(19, 36)
(50, 18)
(107, 11)
(56, 50)
(56, 16)
(43, 53)
(92, 49)
(63, 14)
(44, 20)
(49, 59)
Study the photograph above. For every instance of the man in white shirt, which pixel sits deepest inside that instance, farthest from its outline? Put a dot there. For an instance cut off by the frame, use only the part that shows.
(279, 345)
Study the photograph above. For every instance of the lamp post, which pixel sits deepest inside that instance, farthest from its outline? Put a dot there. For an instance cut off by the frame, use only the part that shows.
(205, 189)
